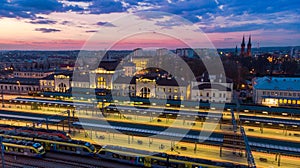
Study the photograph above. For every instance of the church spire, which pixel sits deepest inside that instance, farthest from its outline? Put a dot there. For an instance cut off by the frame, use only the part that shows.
(243, 46)
(249, 47)
(249, 42)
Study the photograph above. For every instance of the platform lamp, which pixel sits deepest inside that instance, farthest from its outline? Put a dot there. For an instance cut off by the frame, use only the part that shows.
(2, 97)
(19, 88)
(2, 151)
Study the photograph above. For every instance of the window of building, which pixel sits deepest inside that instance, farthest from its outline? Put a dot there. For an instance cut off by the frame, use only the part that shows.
(145, 92)
(175, 90)
(170, 90)
(207, 94)
(285, 101)
(101, 82)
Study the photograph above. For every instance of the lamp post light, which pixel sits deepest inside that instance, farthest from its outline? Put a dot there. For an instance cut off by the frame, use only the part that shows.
(2, 98)
(19, 84)
(2, 151)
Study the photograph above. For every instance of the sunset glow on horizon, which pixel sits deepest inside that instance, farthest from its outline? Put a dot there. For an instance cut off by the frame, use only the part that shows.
(67, 25)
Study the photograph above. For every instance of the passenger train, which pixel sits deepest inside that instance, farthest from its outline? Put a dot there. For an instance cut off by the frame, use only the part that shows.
(22, 147)
(53, 143)
(155, 160)
(36, 131)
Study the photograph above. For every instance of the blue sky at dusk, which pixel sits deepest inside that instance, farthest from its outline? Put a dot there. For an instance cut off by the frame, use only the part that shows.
(67, 24)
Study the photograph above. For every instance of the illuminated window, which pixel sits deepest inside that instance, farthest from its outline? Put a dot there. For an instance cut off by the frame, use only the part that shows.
(284, 101)
(101, 82)
(175, 90)
(289, 101)
(280, 100)
(298, 101)
(294, 102)
(145, 92)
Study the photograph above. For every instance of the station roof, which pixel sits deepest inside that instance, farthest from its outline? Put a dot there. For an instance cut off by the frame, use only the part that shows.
(26, 116)
(22, 81)
(277, 83)
(53, 102)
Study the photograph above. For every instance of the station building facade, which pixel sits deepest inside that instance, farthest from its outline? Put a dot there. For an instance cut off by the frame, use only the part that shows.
(276, 91)
(19, 86)
(148, 86)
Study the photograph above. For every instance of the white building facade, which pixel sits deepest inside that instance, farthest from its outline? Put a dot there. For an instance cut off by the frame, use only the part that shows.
(276, 91)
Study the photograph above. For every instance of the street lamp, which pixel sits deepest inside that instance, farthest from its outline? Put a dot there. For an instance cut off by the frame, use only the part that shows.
(2, 151)
(2, 98)
(19, 84)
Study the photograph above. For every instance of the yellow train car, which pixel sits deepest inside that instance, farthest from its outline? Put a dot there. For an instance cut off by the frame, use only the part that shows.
(55, 144)
(22, 147)
(148, 159)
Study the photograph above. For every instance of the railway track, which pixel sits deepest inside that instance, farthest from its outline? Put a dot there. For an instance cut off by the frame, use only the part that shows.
(59, 160)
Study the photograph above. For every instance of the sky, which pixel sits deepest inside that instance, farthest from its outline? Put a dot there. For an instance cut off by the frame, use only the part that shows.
(99, 24)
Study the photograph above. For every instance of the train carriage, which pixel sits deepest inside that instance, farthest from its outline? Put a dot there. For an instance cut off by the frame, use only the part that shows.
(146, 159)
(53, 143)
(22, 147)
(71, 146)
(37, 131)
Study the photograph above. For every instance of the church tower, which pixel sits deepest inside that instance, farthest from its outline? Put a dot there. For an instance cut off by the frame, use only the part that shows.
(236, 52)
(243, 47)
(249, 47)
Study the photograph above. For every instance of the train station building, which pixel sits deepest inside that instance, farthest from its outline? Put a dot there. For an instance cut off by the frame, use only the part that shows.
(276, 91)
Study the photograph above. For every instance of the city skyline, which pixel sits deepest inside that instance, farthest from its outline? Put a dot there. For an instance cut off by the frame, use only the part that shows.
(67, 25)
